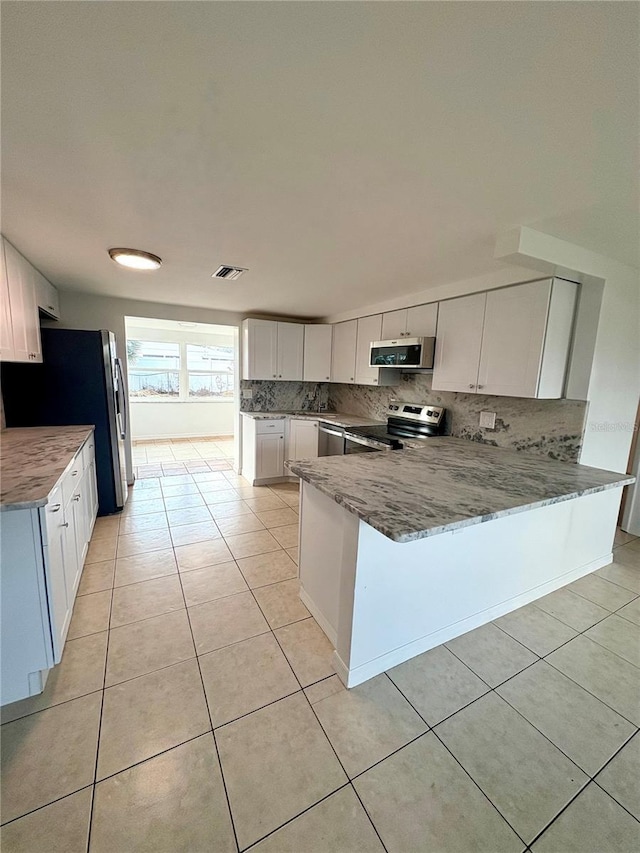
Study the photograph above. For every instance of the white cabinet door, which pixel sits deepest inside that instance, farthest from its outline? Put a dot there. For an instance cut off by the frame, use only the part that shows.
(515, 321)
(290, 351)
(303, 439)
(6, 331)
(394, 325)
(458, 343)
(24, 310)
(317, 352)
(47, 296)
(269, 455)
(343, 352)
(72, 568)
(369, 330)
(59, 599)
(19, 285)
(422, 321)
(32, 317)
(416, 322)
(259, 349)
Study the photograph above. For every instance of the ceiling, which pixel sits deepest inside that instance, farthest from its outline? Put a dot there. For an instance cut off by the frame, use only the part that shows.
(344, 152)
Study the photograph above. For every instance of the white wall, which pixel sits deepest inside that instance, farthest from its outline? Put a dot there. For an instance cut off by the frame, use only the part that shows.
(89, 311)
(189, 419)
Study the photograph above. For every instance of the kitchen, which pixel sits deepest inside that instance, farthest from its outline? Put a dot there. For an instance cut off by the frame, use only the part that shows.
(212, 623)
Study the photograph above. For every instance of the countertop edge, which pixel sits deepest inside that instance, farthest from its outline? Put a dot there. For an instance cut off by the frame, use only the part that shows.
(403, 538)
(35, 503)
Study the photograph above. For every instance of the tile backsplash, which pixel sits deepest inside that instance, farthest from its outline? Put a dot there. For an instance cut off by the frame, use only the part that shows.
(551, 428)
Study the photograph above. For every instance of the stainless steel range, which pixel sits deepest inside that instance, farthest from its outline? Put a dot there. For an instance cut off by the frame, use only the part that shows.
(404, 421)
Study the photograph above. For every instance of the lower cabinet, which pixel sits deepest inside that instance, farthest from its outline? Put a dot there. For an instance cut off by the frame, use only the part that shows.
(303, 439)
(42, 552)
(269, 456)
(263, 449)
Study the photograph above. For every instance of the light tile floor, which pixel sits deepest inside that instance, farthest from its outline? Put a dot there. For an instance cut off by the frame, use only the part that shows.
(196, 709)
(156, 458)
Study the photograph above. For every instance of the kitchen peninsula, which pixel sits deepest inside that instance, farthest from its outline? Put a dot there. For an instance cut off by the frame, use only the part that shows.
(402, 551)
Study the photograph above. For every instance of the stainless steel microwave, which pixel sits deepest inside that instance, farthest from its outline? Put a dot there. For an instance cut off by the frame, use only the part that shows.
(410, 353)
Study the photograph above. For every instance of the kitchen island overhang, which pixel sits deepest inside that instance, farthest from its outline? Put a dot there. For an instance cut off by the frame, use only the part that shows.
(390, 567)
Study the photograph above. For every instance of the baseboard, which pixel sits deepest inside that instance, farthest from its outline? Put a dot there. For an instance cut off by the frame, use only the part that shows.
(359, 674)
(317, 615)
(182, 437)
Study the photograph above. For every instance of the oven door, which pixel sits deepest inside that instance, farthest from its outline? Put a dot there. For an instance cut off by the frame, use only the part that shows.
(359, 444)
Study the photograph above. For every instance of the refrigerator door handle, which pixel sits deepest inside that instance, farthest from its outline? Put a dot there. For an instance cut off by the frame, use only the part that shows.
(122, 401)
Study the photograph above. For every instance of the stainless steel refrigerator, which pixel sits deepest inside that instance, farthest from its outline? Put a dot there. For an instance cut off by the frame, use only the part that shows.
(79, 382)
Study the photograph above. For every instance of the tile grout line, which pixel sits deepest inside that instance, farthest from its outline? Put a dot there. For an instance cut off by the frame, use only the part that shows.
(206, 702)
(104, 681)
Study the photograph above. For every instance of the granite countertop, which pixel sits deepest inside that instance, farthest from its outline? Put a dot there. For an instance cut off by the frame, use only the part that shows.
(447, 484)
(32, 460)
(337, 418)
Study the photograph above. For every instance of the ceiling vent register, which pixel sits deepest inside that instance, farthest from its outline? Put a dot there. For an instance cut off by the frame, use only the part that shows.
(230, 273)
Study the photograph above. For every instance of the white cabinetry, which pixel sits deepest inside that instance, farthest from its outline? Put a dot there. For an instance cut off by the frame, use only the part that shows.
(416, 322)
(19, 308)
(350, 353)
(303, 439)
(458, 343)
(369, 329)
(6, 331)
(47, 298)
(40, 572)
(290, 351)
(317, 352)
(343, 352)
(513, 341)
(272, 350)
(262, 449)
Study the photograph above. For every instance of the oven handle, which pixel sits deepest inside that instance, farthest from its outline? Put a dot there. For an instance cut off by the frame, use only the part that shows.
(366, 442)
(338, 432)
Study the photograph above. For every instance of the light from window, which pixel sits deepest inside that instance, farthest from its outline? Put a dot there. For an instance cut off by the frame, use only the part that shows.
(171, 371)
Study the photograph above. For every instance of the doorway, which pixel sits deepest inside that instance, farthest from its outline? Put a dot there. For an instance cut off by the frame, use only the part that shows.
(183, 394)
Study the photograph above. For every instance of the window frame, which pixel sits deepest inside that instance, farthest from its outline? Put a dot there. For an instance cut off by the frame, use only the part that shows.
(183, 379)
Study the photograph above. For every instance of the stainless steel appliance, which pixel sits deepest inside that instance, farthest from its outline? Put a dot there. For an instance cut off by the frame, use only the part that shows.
(330, 439)
(80, 381)
(404, 421)
(410, 353)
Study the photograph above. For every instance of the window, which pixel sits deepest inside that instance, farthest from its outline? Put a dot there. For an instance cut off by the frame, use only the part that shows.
(179, 371)
(210, 371)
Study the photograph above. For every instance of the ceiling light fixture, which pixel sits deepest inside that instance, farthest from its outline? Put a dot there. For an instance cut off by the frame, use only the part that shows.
(135, 259)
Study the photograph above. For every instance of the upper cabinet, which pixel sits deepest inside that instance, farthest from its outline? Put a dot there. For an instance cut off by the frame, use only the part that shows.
(343, 353)
(317, 352)
(351, 347)
(20, 320)
(416, 322)
(47, 297)
(512, 342)
(458, 343)
(272, 350)
(290, 351)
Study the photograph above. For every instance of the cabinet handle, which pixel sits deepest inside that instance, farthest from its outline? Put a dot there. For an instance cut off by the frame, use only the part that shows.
(480, 386)
(327, 378)
(351, 379)
(280, 376)
(55, 508)
(76, 497)
(74, 473)
(50, 307)
(472, 386)
(375, 380)
(281, 438)
(274, 376)
(65, 524)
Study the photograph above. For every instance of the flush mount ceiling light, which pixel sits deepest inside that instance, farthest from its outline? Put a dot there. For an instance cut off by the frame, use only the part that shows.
(135, 259)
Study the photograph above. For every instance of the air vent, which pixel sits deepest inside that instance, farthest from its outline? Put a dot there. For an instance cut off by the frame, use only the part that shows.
(230, 273)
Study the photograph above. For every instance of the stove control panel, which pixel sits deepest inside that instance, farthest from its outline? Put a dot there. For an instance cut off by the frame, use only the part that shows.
(415, 412)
